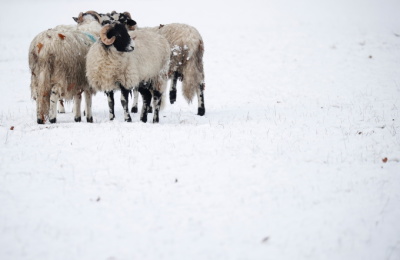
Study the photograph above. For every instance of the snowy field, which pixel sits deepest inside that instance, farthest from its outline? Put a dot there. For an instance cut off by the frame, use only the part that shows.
(297, 157)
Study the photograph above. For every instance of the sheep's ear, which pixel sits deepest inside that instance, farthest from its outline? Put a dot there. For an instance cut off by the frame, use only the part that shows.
(75, 19)
(130, 22)
(134, 37)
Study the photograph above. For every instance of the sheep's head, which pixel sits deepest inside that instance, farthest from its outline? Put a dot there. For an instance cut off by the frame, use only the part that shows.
(88, 16)
(124, 18)
(117, 35)
(106, 19)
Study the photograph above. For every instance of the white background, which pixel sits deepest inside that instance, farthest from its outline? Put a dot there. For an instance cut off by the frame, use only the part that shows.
(302, 104)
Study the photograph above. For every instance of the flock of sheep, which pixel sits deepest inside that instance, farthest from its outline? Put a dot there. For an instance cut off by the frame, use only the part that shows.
(108, 52)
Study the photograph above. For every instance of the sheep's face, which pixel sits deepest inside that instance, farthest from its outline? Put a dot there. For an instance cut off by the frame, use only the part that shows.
(124, 18)
(106, 19)
(117, 36)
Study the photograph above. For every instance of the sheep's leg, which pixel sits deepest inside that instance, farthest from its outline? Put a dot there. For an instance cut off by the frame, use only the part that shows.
(146, 96)
(40, 119)
(110, 98)
(88, 102)
(148, 86)
(77, 107)
(53, 106)
(149, 107)
(157, 97)
(172, 91)
(135, 100)
(61, 108)
(124, 103)
(42, 105)
(200, 97)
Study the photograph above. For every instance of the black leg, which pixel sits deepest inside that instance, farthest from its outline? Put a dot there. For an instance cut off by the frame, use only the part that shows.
(110, 97)
(146, 96)
(157, 105)
(124, 103)
(201, 108)
(172, 92)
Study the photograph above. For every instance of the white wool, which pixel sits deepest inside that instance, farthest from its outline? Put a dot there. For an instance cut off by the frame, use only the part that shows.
(58, 56)
(187, 47)
(148, 62)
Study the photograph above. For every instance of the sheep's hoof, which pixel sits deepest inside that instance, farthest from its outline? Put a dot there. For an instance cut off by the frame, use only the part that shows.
(77, 119)
(128, 120)
(150, 109)
(134, 110)
(61, 112)
(89, 119)
(155, 120)
(201, 111)
(53, 120)
(112, 117)
(143, 119)
(172, 97)
(40, 121)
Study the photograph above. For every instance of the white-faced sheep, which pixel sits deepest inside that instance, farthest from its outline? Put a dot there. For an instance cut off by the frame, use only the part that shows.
(57, 64)
(126, 61)
(187, 50)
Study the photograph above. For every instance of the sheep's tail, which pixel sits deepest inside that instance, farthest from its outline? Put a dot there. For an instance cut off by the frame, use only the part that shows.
(193, 74)
(43, 95)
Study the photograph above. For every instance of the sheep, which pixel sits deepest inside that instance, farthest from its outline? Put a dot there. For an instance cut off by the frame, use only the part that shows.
(57, 64)
(187, 50)
(103, 19)
(125, 61)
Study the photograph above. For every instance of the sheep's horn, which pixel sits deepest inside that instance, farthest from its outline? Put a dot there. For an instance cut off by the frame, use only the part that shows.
(80, 18)
(95, 14)
(103, 35)
(128, 14)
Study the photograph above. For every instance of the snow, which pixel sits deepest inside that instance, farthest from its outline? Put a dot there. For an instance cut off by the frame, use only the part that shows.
(302, 107)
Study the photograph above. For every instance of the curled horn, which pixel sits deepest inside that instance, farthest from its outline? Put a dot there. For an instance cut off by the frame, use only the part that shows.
(95, 15)
(103, 35)
(131, 24)
(128, 15)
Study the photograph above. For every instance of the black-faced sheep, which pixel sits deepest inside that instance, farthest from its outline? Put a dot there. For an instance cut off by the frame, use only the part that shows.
(125, 61)
(57, 64)
(187, 50)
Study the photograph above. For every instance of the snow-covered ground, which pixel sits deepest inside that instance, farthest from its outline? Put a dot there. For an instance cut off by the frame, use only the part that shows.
(302, 108)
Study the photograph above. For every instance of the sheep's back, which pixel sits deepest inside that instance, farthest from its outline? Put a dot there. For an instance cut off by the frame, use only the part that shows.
(62, 54)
